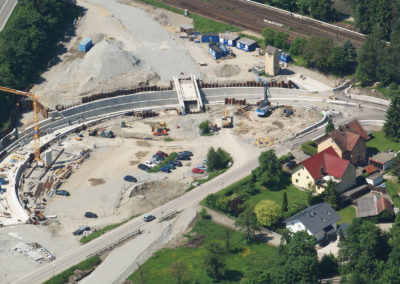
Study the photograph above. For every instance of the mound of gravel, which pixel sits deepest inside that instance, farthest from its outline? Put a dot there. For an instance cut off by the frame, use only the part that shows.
(227, 70)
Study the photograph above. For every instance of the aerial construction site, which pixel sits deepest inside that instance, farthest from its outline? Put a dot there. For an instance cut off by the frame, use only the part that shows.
(106, 115)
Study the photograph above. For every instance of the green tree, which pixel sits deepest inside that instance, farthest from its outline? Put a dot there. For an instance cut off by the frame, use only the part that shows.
(247, 222)
(330, 194)
(281, 40)
(330, 126)
(217, 160)
(255, 276)
(392, 122)
(317, 51)
(269, 172)
(268, 213)
(204, 127)
(227, 236)
(362, 250)
(204, 214)
(178, 270)
(328, 266)
(214, 262)
(321, 9)
(269, 36)
(297, 46)
(284, 202)
(300, 262)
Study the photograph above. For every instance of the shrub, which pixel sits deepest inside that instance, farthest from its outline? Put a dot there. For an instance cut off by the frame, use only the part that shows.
(204, 214)
(309, 148)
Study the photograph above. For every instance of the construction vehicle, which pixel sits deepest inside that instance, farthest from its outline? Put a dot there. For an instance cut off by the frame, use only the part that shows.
(107, 133)
(92, 132)
(265, 108)
(36, 135)
(123, 124)
(288, 111)
(227, 121)
(160, 129)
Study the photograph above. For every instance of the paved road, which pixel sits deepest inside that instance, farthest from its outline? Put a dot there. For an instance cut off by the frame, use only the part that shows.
(6, 8)
(188, 200)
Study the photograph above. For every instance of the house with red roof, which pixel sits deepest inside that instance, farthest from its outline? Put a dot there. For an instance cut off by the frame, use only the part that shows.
(316, 171)
(349, 142)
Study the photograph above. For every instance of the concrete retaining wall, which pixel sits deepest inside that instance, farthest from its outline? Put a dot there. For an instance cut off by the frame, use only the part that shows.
(370, 99)
(316, 125)
(345, 85)
(372, 122)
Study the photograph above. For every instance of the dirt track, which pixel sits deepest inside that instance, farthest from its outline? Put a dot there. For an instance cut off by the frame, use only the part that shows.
(251, 16)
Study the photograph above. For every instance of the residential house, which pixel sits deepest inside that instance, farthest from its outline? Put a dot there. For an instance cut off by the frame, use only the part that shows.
(373, 206)
(326, 165)
(349, 142)
(318, 220)
(382, 161)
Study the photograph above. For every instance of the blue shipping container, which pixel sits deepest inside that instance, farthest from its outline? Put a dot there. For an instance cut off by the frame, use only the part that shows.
(210, 38)
(85, 45)
(284, 57)
(246, 44)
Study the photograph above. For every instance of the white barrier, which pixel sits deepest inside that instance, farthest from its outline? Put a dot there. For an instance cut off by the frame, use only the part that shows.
(370, 99)
(316, 125)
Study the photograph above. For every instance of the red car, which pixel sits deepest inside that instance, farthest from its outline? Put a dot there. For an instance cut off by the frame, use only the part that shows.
(162, 154)
(197, 171)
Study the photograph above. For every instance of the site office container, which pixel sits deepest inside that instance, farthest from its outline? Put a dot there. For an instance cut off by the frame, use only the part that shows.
(85, 45)
(210, 37)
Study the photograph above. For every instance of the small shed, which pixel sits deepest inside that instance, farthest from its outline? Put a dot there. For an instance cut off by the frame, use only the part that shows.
(217, 50)
(228, 39)
(210, 37)
(375, 179)
(382, 160)
(246, 44)
(85, 45)
(188, 29)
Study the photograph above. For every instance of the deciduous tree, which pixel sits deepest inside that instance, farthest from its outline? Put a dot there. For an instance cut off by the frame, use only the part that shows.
(268, 213)
(392, 122)
(178, 269)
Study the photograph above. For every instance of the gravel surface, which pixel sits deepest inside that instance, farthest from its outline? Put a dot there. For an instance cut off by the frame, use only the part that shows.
(227, 70)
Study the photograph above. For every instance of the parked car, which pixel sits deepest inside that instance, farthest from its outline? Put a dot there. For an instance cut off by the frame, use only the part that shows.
(90, 215)
(165, 169)
(185, 153)
(197, 171)
(183, 157)
(143, 167)
(80, 230)
(162, 154)
(148, 217)
(171, 166)
(290, 165)
(202, 167)
(150, 164)
(177, 163)
(156, 158)
(62, 192)
(130, 179)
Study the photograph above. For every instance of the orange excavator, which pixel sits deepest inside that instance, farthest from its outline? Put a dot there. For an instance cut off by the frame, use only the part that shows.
(36, 135)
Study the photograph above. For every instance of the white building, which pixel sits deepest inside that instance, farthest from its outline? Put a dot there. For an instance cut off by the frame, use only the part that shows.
(318, 220)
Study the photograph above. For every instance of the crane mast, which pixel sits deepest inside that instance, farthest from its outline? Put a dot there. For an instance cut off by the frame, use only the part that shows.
(36, 134)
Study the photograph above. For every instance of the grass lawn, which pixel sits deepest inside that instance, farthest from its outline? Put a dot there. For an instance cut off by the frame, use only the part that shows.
(380, 142)
(84, 265)
(394, 189)
(295, 196)
(254, 255)
(348, 214)
(211, 176)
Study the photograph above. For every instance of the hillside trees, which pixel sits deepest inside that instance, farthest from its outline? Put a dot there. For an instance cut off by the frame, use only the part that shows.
(392, 122)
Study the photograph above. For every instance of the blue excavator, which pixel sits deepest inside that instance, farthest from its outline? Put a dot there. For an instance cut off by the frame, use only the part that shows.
(265, 108)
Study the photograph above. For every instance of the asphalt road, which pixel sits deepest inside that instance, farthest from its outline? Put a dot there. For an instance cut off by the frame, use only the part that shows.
(6, 8)
(187, 200)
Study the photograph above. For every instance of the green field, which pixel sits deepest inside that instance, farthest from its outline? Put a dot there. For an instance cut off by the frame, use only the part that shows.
(295, 196)
(84, 265)
(245, 256)
(394, 189)
(381, 143)
(348, 214)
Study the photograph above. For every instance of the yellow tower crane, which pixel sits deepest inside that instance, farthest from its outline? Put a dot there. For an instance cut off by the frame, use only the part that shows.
(34, 98)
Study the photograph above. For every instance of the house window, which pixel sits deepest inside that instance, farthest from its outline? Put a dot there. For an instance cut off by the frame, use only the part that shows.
(297, 180)
(298, 174)
(307, 177)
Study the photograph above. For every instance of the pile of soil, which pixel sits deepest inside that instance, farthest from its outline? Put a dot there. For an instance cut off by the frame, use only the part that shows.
(227, 70)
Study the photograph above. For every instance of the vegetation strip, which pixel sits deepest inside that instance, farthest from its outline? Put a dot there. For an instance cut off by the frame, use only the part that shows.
(84, 265)
(169, 159)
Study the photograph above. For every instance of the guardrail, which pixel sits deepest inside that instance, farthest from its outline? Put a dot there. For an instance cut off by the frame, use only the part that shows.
(314, 126)
(169, 216)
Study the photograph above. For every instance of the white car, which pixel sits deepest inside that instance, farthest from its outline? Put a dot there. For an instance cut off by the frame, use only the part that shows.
(150, 164)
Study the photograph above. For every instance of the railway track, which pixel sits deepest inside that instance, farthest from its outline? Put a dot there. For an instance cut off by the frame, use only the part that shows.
(255, 17)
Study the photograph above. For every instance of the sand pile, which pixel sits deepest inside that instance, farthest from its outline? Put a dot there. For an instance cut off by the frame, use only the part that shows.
(227, 70)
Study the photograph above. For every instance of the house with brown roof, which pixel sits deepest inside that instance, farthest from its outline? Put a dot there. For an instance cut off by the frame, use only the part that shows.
(316, 171)
(349, 142)
(373, 206)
